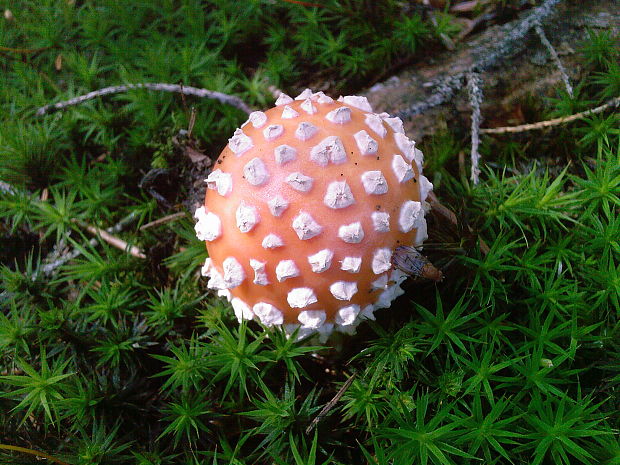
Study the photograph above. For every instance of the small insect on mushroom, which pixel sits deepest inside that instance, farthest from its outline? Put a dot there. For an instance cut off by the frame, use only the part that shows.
(411, 261)
(305, 212)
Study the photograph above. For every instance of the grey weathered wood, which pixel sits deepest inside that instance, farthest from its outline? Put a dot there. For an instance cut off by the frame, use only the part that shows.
(511, 58)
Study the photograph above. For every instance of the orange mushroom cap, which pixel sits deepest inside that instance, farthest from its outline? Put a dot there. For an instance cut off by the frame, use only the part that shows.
(304, 210)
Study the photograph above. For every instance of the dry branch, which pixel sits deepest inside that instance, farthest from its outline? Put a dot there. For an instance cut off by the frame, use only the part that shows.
(552, 122)
(49, 268)
(185, 90)
(113, 240)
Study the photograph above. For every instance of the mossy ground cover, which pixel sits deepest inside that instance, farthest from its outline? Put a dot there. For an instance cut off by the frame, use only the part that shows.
(513, 358)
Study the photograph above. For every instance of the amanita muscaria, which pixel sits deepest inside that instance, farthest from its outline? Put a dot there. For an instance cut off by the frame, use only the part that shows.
(304, 210)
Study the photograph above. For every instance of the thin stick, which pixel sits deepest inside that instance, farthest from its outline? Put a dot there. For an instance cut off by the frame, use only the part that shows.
(330, 404)
(555, 58)
(113, 240)
(185, 90)
(475, 99)
(552, 122)
(163, 220)
(50, 268)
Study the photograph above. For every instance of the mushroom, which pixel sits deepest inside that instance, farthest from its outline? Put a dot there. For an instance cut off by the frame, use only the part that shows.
(304, 210)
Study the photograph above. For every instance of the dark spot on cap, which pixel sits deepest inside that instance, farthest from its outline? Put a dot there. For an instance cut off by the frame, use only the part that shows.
(378, 207)
(219, 162)
(378, 158)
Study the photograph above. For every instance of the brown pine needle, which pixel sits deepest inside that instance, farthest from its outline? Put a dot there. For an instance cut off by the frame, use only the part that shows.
(298, 2)
(32, 452)
(163, 220)
(23, 50)
(330, 404)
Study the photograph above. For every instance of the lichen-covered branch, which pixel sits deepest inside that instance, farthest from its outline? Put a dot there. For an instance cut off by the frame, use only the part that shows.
(177, 88)
(475, 99)
(5, 187)
(555, 58)
(50, 268)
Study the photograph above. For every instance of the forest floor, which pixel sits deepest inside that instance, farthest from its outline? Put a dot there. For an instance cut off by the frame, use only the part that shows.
(118, 353)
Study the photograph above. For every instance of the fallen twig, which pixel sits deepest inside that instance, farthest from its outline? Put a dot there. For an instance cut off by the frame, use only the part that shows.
(487, 15)
(185, 90)
(49, 268)
(552, 122)
(112, 240)
(555, 58)
(163, 220)
(330, 404)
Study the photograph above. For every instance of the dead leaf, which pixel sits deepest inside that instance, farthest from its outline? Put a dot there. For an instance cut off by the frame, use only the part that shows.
(58, 62)
(194, 155)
